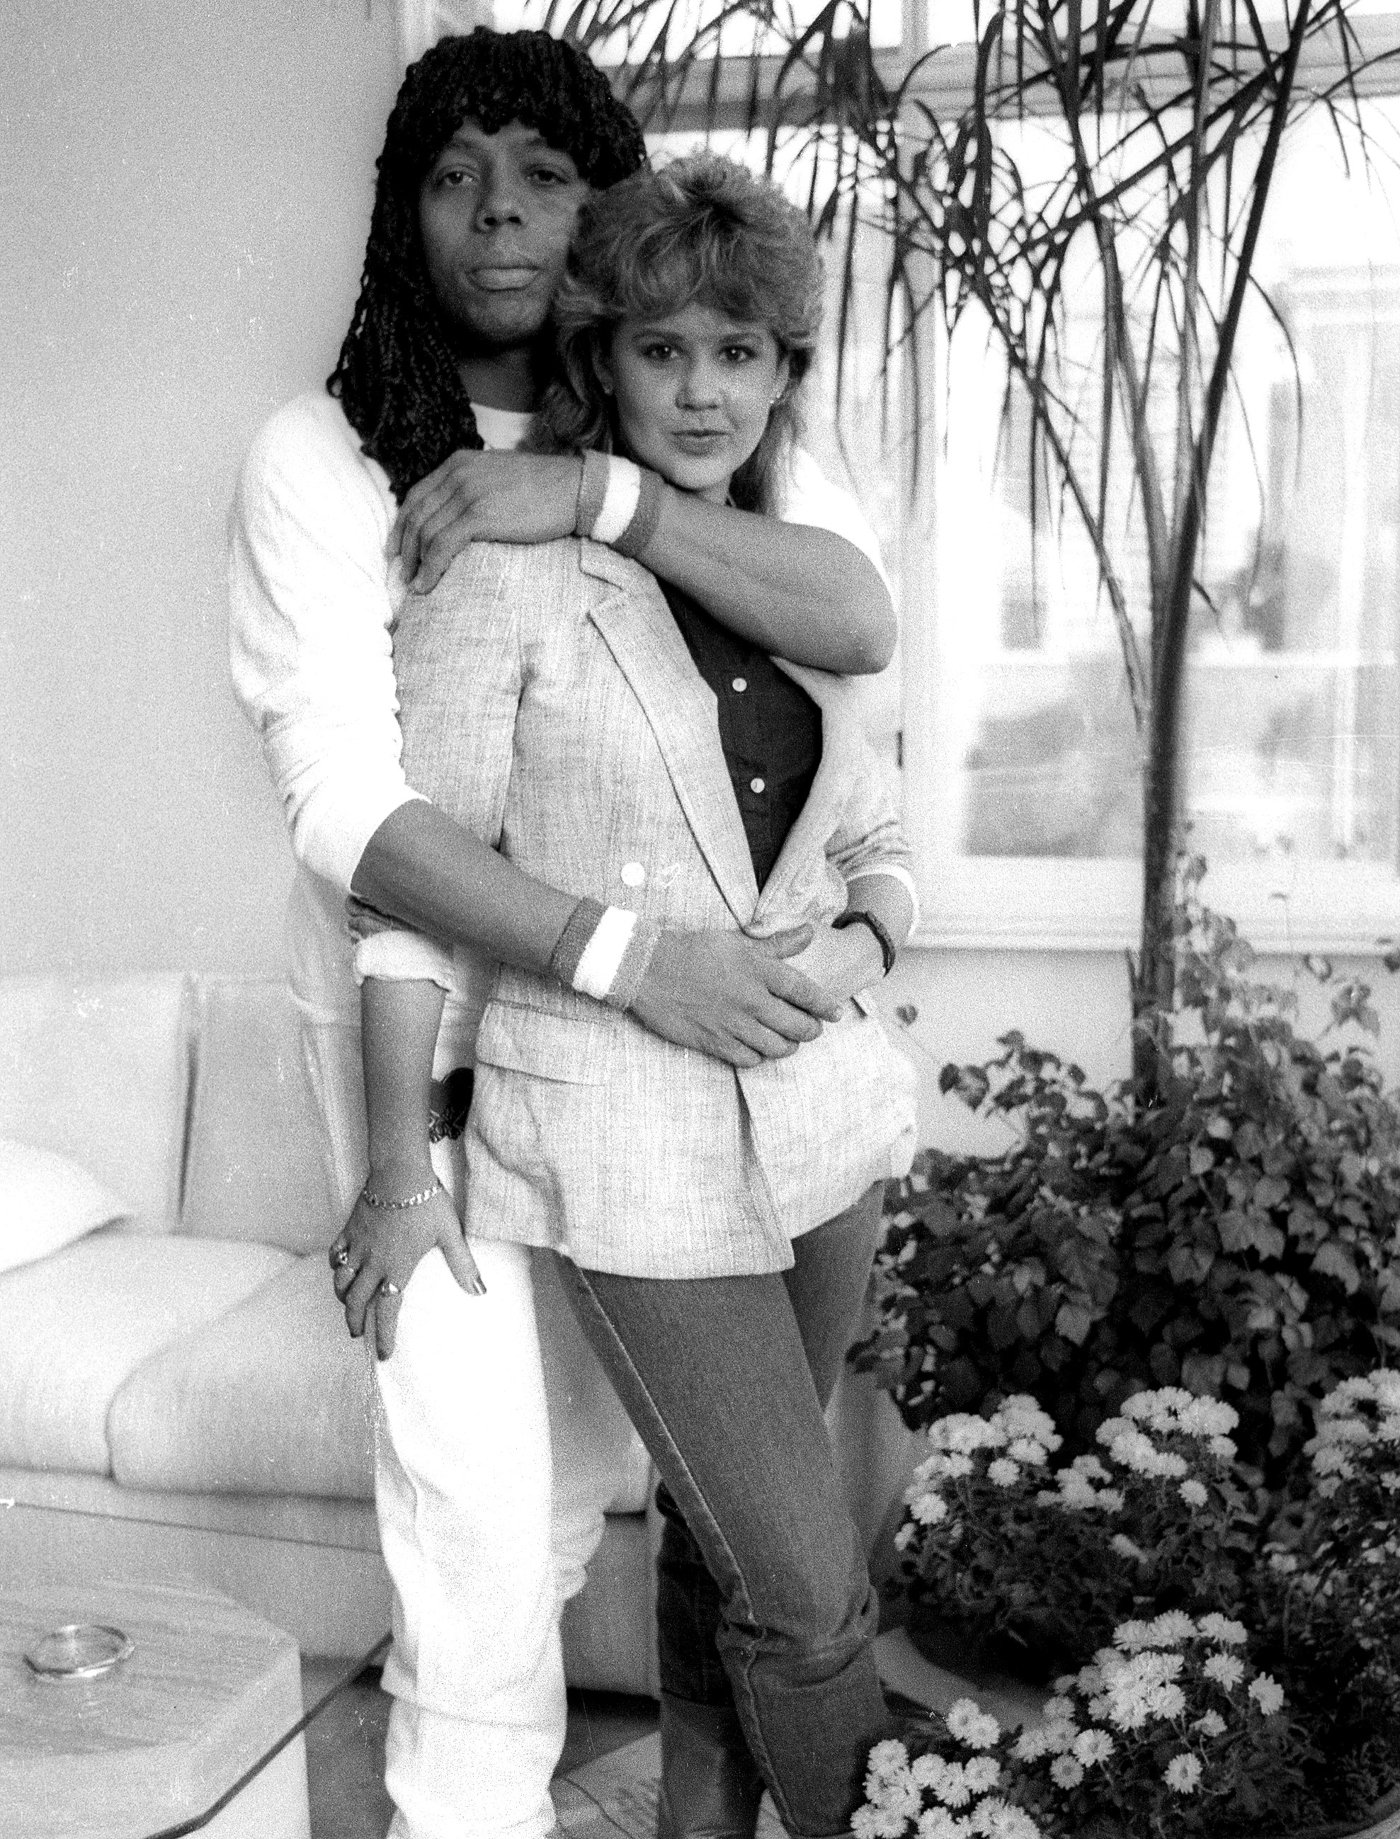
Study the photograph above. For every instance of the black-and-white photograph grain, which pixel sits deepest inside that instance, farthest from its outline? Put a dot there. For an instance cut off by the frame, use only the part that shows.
(700, 919)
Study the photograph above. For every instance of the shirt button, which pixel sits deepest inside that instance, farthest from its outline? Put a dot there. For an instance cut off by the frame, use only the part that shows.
(633, 874)
(757, 785)
(740, 684)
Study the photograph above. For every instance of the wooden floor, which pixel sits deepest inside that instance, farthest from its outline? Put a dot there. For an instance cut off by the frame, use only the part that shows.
(345, 1747)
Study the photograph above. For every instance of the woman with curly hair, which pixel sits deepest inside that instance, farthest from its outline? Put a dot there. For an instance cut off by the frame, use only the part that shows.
(712, 1226)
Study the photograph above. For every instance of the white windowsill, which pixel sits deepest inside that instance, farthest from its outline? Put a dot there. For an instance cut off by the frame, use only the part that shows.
(1037, 904)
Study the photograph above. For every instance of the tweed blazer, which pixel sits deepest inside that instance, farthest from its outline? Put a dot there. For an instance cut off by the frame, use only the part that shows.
(549, 704)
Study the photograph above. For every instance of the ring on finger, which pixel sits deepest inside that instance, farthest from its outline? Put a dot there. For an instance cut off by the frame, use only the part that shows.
(390, 1288)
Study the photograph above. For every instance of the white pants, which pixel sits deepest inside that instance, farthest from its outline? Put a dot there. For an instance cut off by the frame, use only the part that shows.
(498, 1444)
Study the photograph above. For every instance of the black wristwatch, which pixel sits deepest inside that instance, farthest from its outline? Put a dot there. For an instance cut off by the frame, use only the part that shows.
(856, 916)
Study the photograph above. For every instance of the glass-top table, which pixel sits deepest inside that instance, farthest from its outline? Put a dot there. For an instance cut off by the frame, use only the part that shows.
(199, 1730)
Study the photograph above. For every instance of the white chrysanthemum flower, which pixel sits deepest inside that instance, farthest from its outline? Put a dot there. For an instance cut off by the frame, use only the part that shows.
(1132, 1635)
(1267, 1694)
(981, 1773)
(1171, 1628)
(1024, 1417)
(1211, 1724)
(1193, 1492)
(1027, 1450)
(1066, 1772)
(938, 1823)
(906, 1536)
(1183, 1773)
(1166, 1701)
(1057, 1707)
(927, 1771)
(1135, 1450)
(864, 1823)
(1331, 1460)
(1208, 1417)
(1225, 1669)
(998, 1819)
(1223, 1447)
(1030, 1746)
(1092, 1747)
(1059, 1734)
(953, 1790)
(1223, 1630)
(1090, 1468)
(1064, 1685)
(971, 1725)
(929, 1509)
(961, 1433)
(1110, 1499)
(1003, 1472)
(887, 1761)
(1139, 1687)
(1072, 1493)
(958, 1465)
(890, 1822)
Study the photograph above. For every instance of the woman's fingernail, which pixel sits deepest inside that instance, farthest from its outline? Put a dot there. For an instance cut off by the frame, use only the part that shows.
(478, 1288)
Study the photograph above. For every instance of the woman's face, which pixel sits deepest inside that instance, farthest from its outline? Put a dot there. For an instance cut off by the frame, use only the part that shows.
(694, 390)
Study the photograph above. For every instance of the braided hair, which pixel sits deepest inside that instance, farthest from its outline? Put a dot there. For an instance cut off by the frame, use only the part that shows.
(397, 375)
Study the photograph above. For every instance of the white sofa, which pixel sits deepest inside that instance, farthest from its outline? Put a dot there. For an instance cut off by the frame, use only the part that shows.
(179, 1401)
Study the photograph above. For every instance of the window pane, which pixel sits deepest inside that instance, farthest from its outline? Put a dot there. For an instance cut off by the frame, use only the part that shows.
(1293, 695)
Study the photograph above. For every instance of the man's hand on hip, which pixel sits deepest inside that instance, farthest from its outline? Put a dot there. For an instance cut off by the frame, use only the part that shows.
(482, 497)
(733, 997)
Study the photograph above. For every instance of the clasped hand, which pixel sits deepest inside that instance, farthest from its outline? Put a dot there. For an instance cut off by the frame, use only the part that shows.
(737, 999)
(482, 497)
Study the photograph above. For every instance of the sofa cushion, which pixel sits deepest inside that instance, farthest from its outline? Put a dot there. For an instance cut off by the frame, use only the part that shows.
(46, 1202)
(272, 1398)
(74, 1326)
(100, 1070)
(254, 1169)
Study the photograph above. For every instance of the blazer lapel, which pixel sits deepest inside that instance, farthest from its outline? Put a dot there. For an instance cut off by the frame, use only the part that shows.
(645, 642)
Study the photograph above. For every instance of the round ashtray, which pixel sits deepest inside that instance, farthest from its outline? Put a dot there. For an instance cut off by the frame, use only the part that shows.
(79, 1650)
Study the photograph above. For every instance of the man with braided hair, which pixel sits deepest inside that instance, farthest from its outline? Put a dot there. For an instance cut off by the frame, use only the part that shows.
(348, 495)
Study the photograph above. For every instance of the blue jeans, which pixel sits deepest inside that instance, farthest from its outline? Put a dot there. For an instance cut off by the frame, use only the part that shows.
(769, 1600)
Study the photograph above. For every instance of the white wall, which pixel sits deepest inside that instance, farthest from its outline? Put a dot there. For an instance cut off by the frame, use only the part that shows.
(186, 192)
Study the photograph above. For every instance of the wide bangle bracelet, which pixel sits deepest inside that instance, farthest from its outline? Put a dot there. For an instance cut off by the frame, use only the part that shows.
(857, 916)
(592, 490)
(380, 1205)
(641, 526)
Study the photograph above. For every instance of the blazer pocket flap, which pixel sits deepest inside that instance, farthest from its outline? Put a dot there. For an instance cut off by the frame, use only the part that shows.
(524, 1040)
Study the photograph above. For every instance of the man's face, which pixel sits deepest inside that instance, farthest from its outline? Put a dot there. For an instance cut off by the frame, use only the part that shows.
(497, 212)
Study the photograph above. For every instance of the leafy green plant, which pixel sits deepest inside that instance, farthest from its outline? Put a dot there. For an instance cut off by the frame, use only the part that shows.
(1234, 1229)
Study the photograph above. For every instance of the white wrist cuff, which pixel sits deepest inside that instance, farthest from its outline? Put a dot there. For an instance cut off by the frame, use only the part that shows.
(397, 956)
(619, 501)
(905, 880)
(604, 952)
